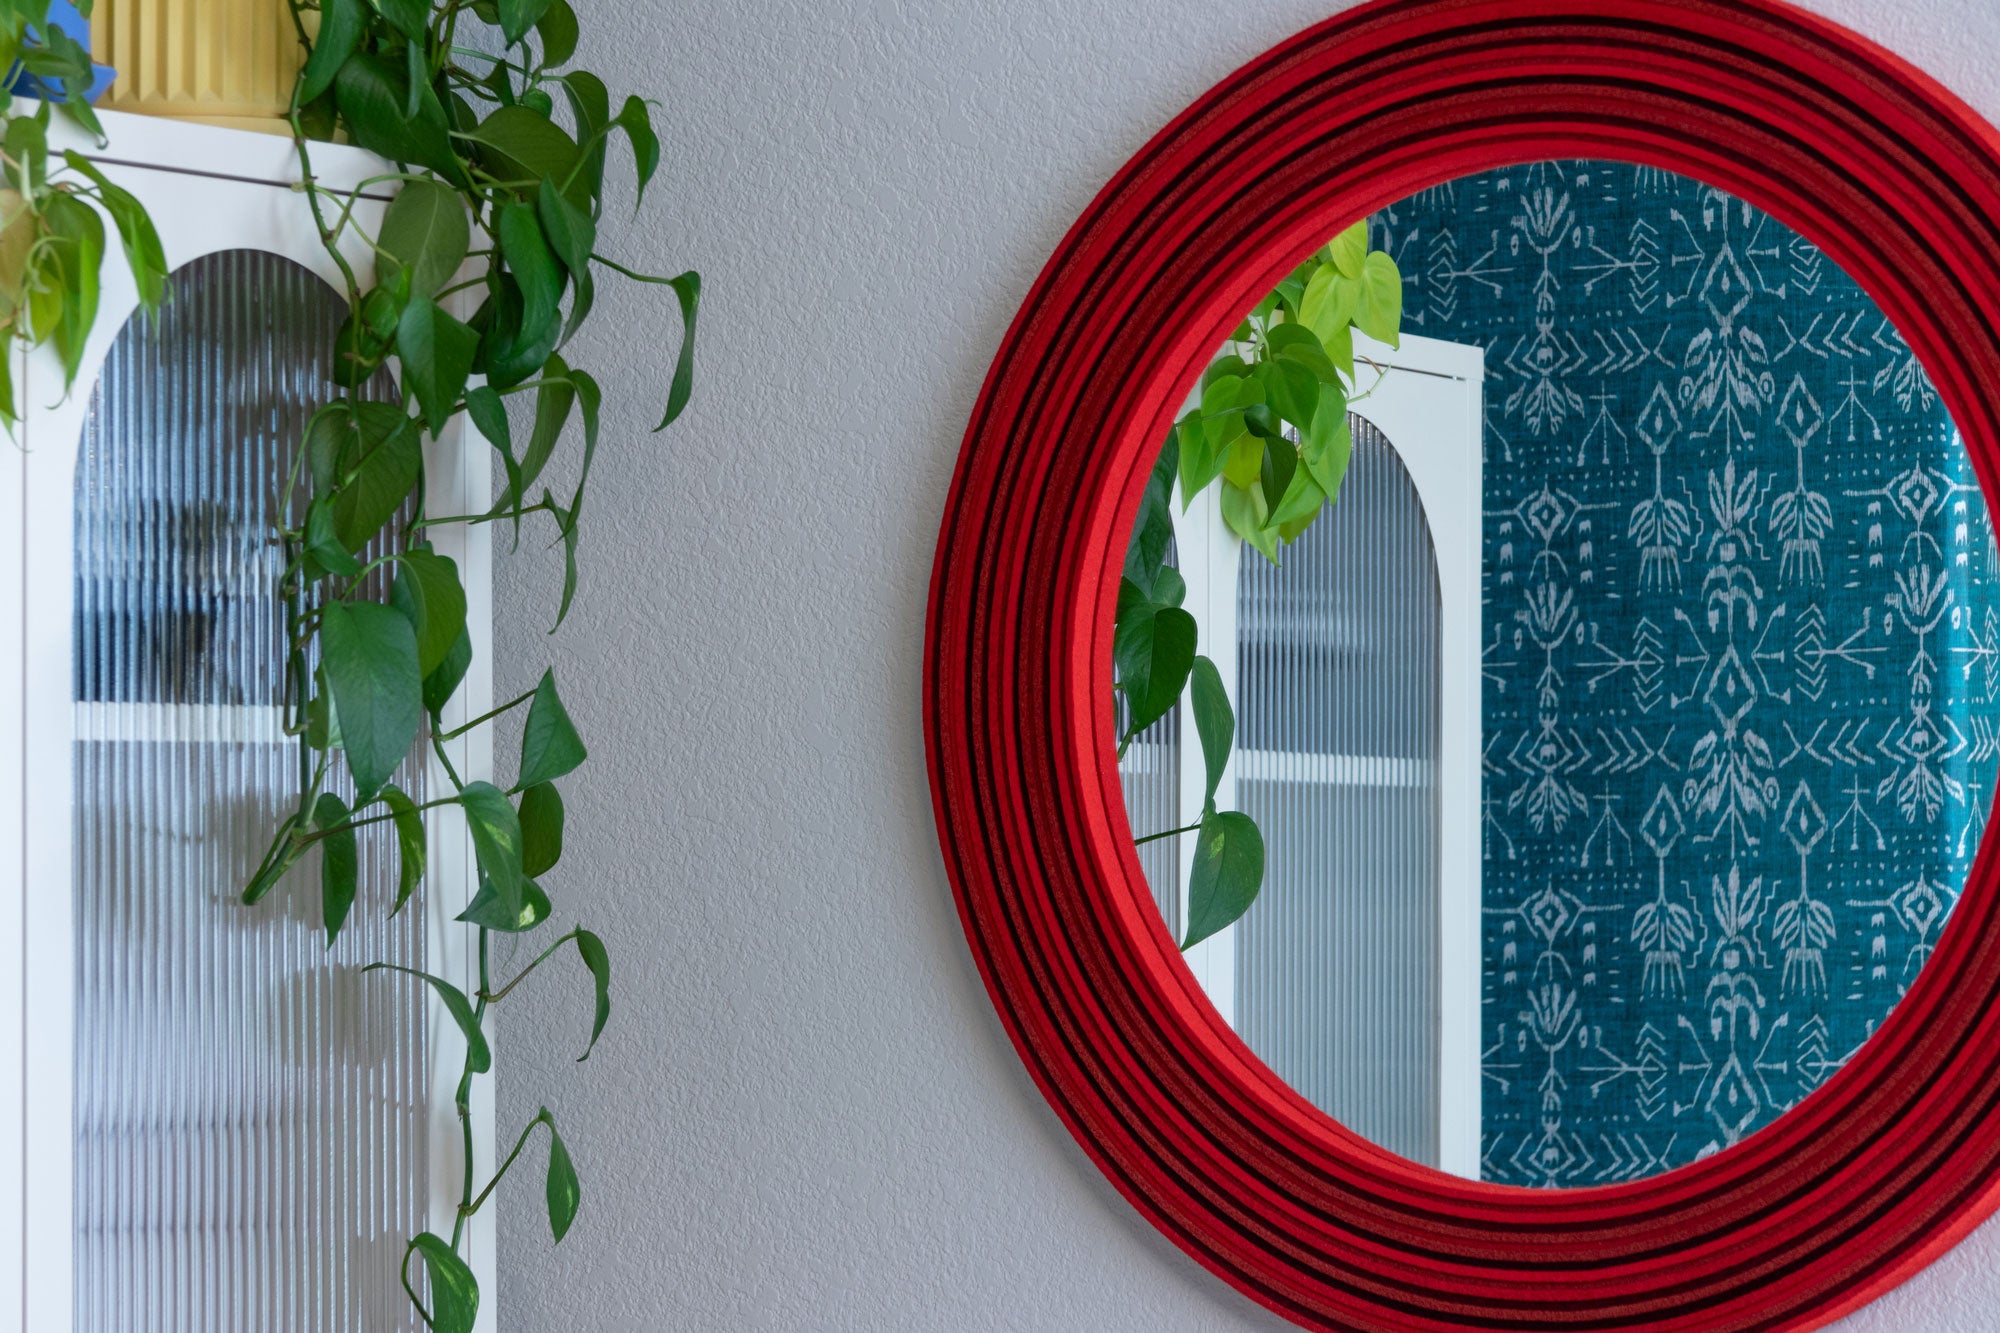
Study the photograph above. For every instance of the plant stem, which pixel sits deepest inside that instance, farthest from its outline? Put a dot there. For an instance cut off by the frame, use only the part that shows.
(486, 717)
(543, 957)
(519, 1144)
(1165, 833)
(464, 1103)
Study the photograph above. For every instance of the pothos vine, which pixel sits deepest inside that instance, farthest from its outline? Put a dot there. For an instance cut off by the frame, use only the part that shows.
(499, 190)
(1271, 429)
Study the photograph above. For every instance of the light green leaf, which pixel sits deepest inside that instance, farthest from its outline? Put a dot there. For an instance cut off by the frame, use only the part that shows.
(1228, 872)
(427, 591)
(496, 841)
(1200, 462)
(76, 240)
(339, 863)
(541, 828)
(550, 746)
(1349, 249)
(591, 950)
(563, 1191)
(1379, 312)
(1244, 510)
(1245, 461)
(425, 232)
(410, 842)
(1300, 499)
(454, 1291)
(1214, 722)
(369, 655)
(1324, 447)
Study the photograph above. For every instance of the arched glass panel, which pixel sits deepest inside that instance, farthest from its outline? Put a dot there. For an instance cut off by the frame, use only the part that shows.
(1337, 761)
(250, 1150)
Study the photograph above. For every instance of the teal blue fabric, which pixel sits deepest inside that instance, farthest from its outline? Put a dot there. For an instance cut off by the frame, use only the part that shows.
(1741, 656)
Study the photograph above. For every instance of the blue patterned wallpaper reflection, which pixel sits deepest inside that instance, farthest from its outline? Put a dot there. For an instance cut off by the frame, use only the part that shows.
(1741, 658)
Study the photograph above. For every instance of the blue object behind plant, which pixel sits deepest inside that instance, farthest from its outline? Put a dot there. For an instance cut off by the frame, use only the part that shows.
(1742, 658)
(62, 16)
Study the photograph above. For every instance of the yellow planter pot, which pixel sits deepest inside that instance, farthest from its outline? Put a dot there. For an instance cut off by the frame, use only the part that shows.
(220, 62)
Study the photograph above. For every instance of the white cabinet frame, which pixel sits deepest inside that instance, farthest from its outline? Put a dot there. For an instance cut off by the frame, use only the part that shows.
(207, 190)
(1427, 398)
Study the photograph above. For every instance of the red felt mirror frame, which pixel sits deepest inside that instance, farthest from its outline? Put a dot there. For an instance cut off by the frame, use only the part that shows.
(1869, 1179)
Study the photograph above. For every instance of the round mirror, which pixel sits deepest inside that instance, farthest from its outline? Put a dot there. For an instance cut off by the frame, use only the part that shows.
(1556, 669)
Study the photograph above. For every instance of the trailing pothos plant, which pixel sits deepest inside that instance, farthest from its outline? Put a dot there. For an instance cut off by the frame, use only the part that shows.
(1271, 429)
(501, 152)
(52, 239)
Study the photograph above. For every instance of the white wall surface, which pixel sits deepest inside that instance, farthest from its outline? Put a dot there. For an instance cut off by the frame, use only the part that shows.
(804, 1114)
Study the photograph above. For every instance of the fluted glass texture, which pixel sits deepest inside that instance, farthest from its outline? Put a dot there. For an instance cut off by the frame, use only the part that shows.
(250, 1150)
(1338, 662)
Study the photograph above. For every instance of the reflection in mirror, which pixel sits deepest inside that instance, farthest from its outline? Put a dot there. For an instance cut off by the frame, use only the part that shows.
(1575, 790)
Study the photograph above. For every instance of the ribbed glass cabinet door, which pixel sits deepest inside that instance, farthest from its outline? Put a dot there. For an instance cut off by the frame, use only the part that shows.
(250, 1109)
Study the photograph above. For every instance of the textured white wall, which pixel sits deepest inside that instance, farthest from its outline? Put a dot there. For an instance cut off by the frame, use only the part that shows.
(804, 1114)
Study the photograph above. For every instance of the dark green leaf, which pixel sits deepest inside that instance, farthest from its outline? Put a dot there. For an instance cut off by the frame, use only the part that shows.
(369, 655)
(571, 234)
(496, 841)
(454, 1291)
(637, 123)
(339, 864)
(592, 950)
(570, 533)
(144, 254)
(381, 477)
(77, 236)
(1214, 722)
(479, 1053)
(541, 828)
(520, 147)
(1293, 390)
(437, 354)
(488, 911)
(550, 746)
(687, 287)
(1153, 531)
(517, 16)
(1153, 649)
(442, 683)
(340, 24)
(374, 95)
(553, 400)
(27, 147)
(557, 29)
(534, 267)
(428, 592)
(563, 1190)
(410, 843)
(489, 417)
(323, 542)
(1228, 872)
(590, 103)
(1299, 500)
(425, 232)
(284, 854)
(409, 17)
(588, 399)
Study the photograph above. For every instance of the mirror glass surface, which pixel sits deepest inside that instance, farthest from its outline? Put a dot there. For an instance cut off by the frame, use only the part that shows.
(1619, 736)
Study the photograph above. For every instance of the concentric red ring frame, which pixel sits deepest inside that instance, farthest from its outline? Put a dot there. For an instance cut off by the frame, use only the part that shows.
(1873, 1176)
